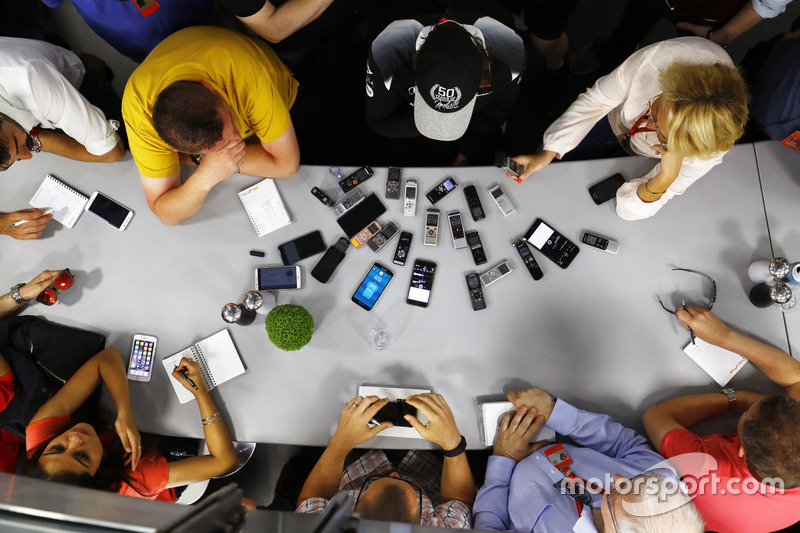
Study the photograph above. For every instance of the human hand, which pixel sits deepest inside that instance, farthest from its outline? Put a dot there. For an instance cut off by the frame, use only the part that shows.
(701, 30)
(705, 324)
(516, 430)
(533, 397)
(670, 164)
(37, 221)
(192, 370)
(460, 161)
(354, 422)
(129, 436)
(441, 428)
(31, 290)
(532, 163)
(219, 165)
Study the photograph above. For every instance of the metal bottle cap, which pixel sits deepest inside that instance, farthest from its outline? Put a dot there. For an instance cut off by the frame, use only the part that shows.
(231, 313)
(252, 300)
(779, 268)
(780, 293)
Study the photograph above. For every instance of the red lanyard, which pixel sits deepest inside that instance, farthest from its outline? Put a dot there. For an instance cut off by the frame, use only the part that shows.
(636, 129)
(559, 458)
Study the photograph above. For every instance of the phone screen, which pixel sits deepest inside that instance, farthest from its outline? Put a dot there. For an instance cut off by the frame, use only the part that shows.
(372, 286)
(141, 358)
(449, 184)
(109, 210)
(302, 247)
(552, 244)
(394, 411)
(606, 189)
(419, 292)
(277, 278)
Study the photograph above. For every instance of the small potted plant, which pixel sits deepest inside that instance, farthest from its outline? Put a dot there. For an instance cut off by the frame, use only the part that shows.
(290, 327)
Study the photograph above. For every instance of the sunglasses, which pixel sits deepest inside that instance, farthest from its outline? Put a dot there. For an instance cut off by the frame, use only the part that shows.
(63, 281)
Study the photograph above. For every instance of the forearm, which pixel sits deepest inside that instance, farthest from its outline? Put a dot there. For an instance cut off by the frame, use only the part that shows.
(112, 373)
(218, 438)
(457, 482)
(324, 479)
(277, 23)
(654, 189)
(7, 305)
(745, 19)
(686, 411)
(184, 201)
(259, 162)
(59, 143)
(778, 366)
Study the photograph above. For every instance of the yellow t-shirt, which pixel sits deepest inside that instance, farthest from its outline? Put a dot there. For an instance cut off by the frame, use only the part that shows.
(246, 74)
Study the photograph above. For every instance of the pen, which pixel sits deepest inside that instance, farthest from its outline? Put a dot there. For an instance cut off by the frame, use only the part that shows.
(691, 331)
(187, 378)
(21, 222)
(373, 421)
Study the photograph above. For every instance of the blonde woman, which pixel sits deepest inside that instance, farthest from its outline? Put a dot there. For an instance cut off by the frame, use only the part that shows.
(680, 101)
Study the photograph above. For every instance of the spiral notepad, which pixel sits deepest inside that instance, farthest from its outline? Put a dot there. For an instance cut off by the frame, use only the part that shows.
(66, 201)
(219, 362)
(490, 414)
(264, 206)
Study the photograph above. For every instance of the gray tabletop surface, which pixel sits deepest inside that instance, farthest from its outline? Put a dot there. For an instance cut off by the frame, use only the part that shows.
(593, 334)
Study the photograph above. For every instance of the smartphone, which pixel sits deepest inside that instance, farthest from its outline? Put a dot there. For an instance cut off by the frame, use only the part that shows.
(394, 412)
(419, 291)
(607, 189)
(327, 264)
(551, 243)
(401, 252)
(361, 215)
(302, 247)
(278, 277)
(109, 210)
(372, 286)
(143, 355)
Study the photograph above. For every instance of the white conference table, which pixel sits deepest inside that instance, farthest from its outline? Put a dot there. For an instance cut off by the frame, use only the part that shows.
(593, 334)
(781, 185)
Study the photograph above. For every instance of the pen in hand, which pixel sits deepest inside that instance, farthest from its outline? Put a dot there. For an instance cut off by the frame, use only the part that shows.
(21, 222)
(691, 331)
(187, 378)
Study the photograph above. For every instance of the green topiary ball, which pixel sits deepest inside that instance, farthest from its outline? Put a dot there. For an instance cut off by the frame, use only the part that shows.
(290, 327)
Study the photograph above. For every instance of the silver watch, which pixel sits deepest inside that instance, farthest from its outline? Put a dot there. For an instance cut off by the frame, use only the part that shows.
(16, 295)
(731, 394)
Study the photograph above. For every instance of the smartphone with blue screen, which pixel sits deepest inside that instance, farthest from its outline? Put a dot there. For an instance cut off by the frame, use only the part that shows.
(372, 286)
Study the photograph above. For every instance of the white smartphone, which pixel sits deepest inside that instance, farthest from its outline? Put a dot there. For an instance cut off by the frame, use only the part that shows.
(109, 210)
(278, 277)
(143, 355)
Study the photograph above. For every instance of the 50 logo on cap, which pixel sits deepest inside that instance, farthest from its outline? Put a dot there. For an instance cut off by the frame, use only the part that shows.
(444, 98)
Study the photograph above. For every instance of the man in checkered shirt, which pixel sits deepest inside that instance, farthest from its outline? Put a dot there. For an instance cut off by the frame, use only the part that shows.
(418, 489)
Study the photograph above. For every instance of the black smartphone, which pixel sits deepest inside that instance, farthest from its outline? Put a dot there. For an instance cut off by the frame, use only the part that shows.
(372, 286)
(474, 202)
(394, 412)
(401, 252)
(302, 247)
(327, 264)
(605, 190)
(419, 290)
(551, 243)
(361, 215)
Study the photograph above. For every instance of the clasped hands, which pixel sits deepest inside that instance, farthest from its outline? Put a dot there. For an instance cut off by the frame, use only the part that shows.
(534, 407)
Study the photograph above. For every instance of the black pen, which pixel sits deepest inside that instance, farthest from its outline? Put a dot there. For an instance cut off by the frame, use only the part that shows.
(187, 378)
(691, 331)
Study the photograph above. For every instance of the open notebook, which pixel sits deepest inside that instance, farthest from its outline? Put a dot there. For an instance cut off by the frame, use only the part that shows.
(719, 363)
(66, 202)
(265, 207)
(218, 358)
(490, 414)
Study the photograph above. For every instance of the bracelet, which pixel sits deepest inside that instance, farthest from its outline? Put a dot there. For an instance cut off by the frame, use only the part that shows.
(708, 33)
(458, 450)
(212, 422)
(657, 194)
(210, 417)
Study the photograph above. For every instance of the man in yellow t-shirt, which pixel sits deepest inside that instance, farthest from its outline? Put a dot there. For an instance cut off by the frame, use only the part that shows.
(213, 98)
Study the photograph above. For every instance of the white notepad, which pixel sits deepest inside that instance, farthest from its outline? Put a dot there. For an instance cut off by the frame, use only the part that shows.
(719, 363)
(490, 414)
(265, 207)
(66, 201)
(394, 394)
(219, 362)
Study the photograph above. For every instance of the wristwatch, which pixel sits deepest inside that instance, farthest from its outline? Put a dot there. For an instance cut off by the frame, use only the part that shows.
(731, 394)
(16, 295)
(34, 144)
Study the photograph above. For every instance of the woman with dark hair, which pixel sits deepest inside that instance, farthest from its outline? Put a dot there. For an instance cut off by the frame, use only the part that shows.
(67, 447)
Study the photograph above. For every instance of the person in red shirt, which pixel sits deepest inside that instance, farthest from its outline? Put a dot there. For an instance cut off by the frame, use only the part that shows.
(748, 481)
(67, 446)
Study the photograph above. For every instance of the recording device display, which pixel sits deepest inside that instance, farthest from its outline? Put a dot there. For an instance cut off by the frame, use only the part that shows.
(361, 215)
(528, 259)
(348, 203)
(410, 202)
(356, 178)
(474, 203)
(431, 227)
(512, 167)
(476, 247)
(551, 243)
(278, 277)
(143, 354)
(401, 252)
(302, 247)
(109, 210)
(419, 291)
(386, 234)
(372, 286)
(327, 264)
(475, 292)
(366, 234)
(603, 243)
(320, 195)
(394, 412)
(502, 201)
(607, 189)
(496, 272)
(457, 230)
(393, 184)
(441, 190)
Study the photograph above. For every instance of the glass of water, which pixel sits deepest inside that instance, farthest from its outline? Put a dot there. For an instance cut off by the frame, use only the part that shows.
(380, 338)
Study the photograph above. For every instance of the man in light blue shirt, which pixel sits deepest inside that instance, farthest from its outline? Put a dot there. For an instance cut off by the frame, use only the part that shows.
(544, 487)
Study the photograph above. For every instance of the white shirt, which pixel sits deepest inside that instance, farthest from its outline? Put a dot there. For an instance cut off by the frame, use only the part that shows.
(768, 9)
(39, 86)
(623, 95)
